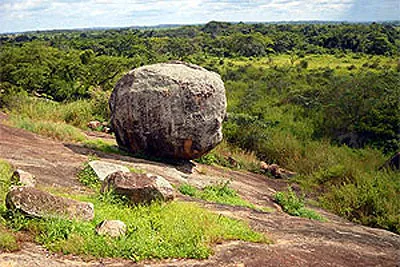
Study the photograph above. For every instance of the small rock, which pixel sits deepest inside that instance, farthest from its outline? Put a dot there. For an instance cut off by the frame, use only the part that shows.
(37, 203)
(233, 162)
(113, 228)
(276, 171)
(94, 125)
(139, 188)
(104, 168)
(24, 178)
(106, 129)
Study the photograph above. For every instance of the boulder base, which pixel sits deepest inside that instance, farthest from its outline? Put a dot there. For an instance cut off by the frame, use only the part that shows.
(37, 203)
(172, 110)
(139, 188)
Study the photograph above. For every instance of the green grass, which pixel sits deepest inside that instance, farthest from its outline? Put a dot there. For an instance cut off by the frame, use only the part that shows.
(220, 193)
(294, 206)
(77, 113)
(5, 176)
(8, 241)
(156, 231)
(55, 130)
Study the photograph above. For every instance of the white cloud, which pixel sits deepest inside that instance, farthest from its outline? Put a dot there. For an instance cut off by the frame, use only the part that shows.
(19, 15)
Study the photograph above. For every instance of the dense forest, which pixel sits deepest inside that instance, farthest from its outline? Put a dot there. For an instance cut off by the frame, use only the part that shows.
(320, 99)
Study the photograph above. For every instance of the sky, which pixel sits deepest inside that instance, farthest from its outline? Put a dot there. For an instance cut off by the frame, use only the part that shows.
(27, 15)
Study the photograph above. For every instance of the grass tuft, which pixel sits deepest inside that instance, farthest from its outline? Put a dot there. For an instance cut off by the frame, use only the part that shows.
(220, 193)
(294, 206)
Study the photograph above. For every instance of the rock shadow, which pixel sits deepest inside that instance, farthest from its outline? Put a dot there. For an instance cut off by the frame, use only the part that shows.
(184, 166)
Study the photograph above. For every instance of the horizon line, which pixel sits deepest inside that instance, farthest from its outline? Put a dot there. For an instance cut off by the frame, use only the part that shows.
(177, 25)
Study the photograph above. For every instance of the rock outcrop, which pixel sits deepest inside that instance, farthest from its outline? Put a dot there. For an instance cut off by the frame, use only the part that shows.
(104, 168)
(37, 203)
(139, 188)
(112, 228)
(173, 110)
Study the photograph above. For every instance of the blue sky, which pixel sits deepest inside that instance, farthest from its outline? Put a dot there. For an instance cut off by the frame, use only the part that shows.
(24, 15)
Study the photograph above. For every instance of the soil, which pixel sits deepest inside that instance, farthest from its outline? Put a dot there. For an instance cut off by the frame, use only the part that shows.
(296, 241)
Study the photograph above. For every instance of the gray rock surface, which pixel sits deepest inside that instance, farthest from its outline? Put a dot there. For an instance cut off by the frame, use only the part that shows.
(113, 228)
(37, 203)
(21, 177)
(104, 168)
(172, 110)
(139, 188)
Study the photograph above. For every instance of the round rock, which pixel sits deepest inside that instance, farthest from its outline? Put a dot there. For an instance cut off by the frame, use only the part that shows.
(171, 110)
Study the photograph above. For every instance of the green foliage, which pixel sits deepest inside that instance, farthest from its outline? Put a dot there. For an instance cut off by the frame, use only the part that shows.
(157, 231)
(293, 205)
(371, 199)
(5, 176)
(77, 113)
(220, 193)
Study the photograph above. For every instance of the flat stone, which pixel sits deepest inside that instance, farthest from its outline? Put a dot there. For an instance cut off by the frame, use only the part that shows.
(104, 168)
(36, 203)
(139, 188)
(21, 177)
(113, 228)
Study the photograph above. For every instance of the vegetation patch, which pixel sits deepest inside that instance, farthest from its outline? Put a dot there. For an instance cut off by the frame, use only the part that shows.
(232, 157)
(55, 130)
(8, 241)
(220, 193)
(294, 206)
(156, 231)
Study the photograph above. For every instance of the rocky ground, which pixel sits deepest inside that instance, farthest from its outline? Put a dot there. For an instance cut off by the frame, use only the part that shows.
(297, 241)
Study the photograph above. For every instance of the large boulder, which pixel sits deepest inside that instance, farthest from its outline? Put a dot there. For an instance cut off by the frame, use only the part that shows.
(37, 203)
(139, 188)
(172, 110)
